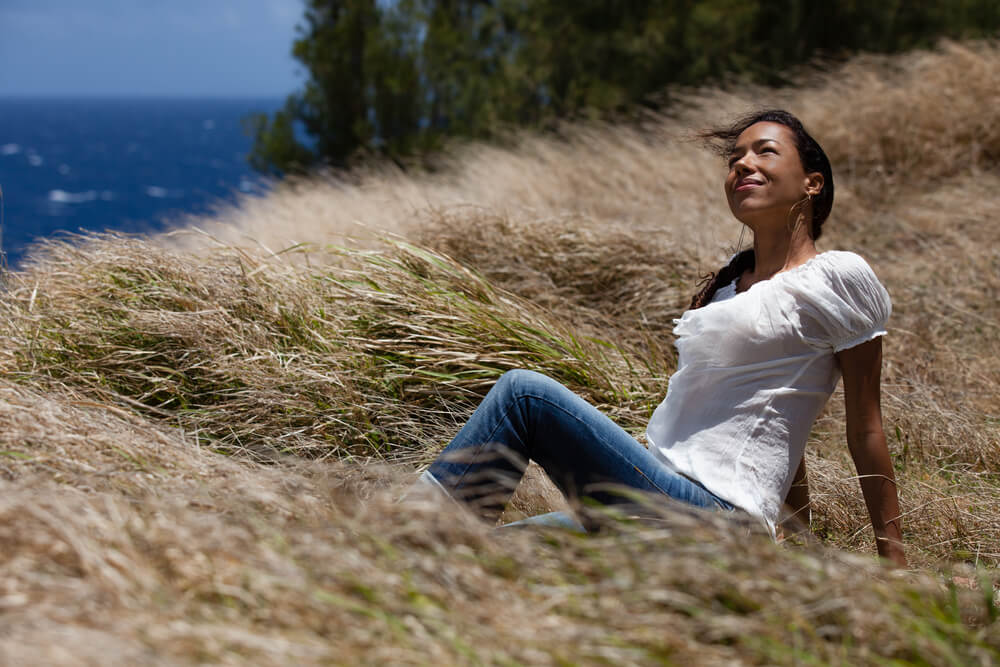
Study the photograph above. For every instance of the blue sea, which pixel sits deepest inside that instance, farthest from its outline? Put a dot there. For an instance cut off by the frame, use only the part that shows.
(133, 165)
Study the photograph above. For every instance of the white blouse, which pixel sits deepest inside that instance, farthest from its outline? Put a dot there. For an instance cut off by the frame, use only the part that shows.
(754, 370)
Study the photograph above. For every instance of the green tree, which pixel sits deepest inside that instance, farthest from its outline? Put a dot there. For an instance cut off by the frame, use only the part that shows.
(396, 77)
(361, 93)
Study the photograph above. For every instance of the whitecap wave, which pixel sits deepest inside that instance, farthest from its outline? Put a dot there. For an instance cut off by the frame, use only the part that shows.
(10, 149)
(160, 192)
(35, 160)
(63, 197)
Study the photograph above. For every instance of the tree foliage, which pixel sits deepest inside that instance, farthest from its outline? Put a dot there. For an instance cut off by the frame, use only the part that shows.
(395, 77)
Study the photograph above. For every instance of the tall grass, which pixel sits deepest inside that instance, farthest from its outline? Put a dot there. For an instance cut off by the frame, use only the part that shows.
(377, 355)
(203, 433)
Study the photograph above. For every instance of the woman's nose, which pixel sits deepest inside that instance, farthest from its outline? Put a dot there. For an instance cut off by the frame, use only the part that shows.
(742, 166)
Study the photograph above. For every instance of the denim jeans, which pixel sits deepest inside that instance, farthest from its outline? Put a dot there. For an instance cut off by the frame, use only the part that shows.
(527, 415)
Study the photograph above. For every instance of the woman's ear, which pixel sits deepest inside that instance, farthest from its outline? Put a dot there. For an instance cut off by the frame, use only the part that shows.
(814, 183)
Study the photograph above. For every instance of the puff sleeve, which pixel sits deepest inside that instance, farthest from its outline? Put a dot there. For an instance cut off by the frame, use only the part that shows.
(842, 305)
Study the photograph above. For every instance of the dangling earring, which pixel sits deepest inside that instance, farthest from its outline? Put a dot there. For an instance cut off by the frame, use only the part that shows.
(809, 202)
(800, 215)
(739, 244)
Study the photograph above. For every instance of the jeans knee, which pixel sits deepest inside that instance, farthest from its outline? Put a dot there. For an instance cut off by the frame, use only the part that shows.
(519, 381)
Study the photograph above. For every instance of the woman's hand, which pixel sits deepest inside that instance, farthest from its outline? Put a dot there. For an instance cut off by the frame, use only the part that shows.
(861, 367)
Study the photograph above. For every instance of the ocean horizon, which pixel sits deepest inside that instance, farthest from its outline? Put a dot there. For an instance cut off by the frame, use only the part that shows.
(127, 164)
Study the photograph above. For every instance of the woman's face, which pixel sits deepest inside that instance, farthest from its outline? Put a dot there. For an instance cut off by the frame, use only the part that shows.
(766, 178)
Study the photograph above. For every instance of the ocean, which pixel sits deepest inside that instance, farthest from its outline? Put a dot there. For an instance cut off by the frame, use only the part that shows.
(132, 165)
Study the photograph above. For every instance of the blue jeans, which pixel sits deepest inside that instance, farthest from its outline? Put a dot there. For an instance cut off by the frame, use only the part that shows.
(527, 415)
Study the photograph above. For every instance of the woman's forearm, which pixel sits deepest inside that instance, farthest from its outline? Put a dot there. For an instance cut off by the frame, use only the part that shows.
(861, 366)
(878, 485)
(797, 500)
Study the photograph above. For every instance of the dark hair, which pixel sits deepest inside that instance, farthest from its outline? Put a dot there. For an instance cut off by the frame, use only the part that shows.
(722, 140)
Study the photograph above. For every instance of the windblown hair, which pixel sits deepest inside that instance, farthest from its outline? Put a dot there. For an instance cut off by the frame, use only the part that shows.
(722, 140)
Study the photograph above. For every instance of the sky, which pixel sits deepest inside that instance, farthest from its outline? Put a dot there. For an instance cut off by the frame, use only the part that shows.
(191, 48)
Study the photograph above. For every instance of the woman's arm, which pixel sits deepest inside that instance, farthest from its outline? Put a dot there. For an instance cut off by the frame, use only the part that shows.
(797, 500)
(861, 367)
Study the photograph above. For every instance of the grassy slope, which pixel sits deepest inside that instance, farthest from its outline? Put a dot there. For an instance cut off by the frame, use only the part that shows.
(200, 439)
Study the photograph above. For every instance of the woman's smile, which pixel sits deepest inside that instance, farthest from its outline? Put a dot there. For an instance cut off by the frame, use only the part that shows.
(748, 184)
(764, 163)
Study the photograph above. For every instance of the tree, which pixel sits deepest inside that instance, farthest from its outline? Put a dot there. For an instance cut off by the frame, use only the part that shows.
(361, 93)
(395, 78)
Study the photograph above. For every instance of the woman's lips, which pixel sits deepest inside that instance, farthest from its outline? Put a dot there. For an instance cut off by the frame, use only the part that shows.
(747, 185)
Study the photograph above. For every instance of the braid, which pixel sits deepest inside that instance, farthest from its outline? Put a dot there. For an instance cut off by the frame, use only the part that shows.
(741, 262)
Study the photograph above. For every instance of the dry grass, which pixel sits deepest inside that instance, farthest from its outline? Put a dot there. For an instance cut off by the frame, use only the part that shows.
(196, 431)
(379, 357)
(347, 576)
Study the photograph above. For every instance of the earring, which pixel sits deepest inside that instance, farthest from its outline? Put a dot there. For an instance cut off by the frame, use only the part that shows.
(796, 216)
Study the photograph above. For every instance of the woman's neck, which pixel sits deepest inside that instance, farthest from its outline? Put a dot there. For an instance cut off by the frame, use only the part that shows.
(777, 252)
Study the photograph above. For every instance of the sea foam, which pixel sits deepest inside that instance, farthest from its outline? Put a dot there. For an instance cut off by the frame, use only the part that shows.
(63, 197)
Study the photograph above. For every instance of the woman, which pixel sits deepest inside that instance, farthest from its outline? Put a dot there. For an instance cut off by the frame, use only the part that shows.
(759, 353)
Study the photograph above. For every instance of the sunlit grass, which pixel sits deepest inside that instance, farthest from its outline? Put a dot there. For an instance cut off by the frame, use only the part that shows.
(202, 436)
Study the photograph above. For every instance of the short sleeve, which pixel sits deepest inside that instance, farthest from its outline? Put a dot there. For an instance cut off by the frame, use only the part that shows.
(841, 303)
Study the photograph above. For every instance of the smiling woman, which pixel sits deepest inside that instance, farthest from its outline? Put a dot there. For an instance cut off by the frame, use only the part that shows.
(771, 151)
(759, 354)
(765, 173)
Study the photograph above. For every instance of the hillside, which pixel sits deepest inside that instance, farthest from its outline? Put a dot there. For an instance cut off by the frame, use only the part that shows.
(204, 434)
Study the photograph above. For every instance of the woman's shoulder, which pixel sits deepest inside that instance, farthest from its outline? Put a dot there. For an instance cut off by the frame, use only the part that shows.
(843, 260)
(841, 299)
(839, 269)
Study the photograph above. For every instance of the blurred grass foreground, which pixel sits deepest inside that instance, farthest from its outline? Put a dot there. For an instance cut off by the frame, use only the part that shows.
(204, 434)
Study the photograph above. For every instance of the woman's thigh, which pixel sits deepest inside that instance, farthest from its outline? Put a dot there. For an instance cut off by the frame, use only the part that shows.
(581, 449)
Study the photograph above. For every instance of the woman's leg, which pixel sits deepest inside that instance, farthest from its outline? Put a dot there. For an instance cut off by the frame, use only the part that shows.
(527, 415)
